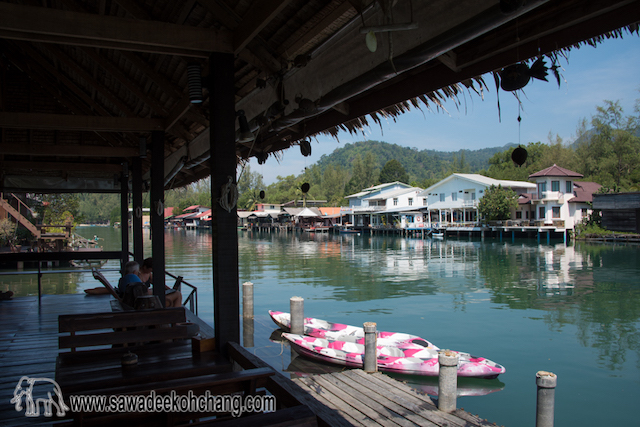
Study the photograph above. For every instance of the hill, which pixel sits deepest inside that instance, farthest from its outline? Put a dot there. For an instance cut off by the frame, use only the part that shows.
(421, 165)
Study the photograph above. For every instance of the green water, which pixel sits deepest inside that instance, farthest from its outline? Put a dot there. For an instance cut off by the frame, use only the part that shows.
(573, 310)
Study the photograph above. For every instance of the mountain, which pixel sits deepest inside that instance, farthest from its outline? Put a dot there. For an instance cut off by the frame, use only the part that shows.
(419, 164)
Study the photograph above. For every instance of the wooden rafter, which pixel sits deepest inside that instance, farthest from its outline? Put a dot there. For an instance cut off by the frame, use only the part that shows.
(48, 25)
(78, 123)
(256, 18)
(97, 151)
(61, 166)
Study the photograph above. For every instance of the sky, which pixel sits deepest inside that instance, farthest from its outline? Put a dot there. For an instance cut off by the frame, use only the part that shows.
(610, 71)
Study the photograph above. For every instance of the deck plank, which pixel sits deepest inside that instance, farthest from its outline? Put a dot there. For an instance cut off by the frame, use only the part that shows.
(379, 400)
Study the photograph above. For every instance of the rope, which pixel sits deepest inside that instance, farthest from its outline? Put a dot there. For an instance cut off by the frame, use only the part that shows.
(228, 195)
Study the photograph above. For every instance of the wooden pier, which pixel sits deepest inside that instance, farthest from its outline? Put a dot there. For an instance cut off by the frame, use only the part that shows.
(378, 400)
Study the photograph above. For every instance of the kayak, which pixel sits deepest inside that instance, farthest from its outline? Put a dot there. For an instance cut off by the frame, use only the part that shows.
(337, 331)
(411, 361)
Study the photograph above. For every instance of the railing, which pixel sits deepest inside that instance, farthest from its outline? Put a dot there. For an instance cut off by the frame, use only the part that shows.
(192, 298)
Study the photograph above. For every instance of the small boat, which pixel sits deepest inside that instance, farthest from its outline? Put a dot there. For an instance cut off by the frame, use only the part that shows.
(348, 230)
(411, 360)
(339, 331)
(437, 235)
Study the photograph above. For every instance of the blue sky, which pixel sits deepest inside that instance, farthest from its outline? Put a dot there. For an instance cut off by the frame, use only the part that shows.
(611, 71)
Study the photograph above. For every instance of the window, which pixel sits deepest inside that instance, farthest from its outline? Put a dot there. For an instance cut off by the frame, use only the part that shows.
(473, 196)
(395, 201)
(424, 201)
(442, 197)
(518, 215)
(541, 212)
(569, 187)
(556, 211)
(454, 197)
(526, 214)
(410, 201)
(555, 185)
(542, 186)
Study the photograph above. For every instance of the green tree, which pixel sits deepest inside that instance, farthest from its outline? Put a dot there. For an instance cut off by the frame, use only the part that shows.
(497, 202)
(334, 181)
(59, 209)
(364, 173)
(249, 186)
(610, 150)
(393, 171)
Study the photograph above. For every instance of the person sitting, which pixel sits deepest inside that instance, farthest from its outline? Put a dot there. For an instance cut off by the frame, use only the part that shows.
(129, 275)
(173, 297)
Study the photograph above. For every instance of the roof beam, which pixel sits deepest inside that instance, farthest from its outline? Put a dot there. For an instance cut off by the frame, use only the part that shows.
(11, 166)
(78, 123)
(257, 17)
(84, 29)
(68, 150)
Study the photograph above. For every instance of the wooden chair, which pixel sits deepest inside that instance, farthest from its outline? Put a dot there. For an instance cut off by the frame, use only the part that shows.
(100, 278)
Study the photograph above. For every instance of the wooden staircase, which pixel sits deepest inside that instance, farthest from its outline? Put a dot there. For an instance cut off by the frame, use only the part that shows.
(18, 216)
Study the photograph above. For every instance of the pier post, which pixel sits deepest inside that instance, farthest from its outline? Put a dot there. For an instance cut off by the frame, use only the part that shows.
(247, 299)
(370, 347)
(297, 315)
(447, 380)
(546, 382)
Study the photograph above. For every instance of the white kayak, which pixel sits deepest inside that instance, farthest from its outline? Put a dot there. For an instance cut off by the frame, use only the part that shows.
(337, 331)
(412, 360)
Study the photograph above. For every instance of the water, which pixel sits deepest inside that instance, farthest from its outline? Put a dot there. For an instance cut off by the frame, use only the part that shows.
(573, 310)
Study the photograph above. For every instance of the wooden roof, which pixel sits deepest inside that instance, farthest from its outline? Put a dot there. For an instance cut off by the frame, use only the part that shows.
(84, 82)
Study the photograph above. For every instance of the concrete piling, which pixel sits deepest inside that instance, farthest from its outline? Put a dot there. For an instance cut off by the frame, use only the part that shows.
(297, 315)
(545, 404)
(247, 300)
(370, 347)
(447, 380)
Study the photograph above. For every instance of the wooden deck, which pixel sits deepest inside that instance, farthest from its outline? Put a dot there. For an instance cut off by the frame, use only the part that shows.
(29, 343)
(377, 400)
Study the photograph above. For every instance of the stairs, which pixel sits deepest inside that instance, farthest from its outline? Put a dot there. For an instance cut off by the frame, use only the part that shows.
(21, 219)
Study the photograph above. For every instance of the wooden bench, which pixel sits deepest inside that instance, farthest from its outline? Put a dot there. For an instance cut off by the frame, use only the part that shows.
(121, 328)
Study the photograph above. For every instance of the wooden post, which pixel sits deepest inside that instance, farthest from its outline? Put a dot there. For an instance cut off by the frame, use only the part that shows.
(370, 361)
(296, 305)
(225, 283)
(447, 380)
(545, 403)
(136, 191)
(124, 214)
(157, 213)
(247, 300)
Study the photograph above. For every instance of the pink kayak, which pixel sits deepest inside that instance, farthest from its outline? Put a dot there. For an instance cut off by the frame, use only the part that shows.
(337, 331)
(412, 361)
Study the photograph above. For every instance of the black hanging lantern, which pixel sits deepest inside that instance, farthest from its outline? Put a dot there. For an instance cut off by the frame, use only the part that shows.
(305, 187)
(305, 148)
(514, 77)
(261, 194)
(519, 155)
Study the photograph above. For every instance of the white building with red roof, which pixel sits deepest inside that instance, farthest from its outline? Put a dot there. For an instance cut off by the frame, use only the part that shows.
(559, 199)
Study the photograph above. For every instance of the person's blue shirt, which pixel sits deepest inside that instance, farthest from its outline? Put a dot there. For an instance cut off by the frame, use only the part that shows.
(125, 280)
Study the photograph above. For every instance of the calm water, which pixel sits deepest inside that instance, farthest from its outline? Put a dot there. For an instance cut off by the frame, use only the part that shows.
(573, 310)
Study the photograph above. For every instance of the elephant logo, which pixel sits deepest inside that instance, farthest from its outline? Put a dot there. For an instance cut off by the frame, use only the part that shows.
(37, 391)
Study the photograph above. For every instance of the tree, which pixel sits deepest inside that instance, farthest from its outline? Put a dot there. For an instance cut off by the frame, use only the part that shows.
(497, 202)
(393, 171)
(59, 209)
(610, 150)
(363, 174)
(249, 186)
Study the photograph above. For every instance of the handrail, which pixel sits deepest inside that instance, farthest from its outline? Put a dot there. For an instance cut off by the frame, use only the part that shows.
(192, 298)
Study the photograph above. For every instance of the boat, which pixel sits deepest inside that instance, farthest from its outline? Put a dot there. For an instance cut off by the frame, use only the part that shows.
(437, 235)
(410, 359)
(348, 230)
(338, 331)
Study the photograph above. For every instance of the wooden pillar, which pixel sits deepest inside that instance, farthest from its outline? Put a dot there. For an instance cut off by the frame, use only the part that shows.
(226, 300)
(124, 214)
(157, 213)
(136, 190)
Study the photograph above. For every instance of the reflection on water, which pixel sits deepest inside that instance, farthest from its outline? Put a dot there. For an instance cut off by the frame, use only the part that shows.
(573, 310)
